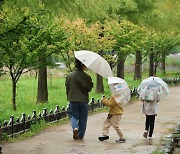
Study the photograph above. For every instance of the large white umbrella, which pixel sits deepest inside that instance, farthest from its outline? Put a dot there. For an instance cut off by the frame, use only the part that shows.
(95, 62)
(120, 90)
(153, 88)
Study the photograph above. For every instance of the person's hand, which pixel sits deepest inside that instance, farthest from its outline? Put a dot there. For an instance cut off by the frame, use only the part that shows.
(112, 96)
(142, 100)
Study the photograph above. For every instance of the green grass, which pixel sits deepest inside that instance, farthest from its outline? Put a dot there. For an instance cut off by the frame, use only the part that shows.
(158, 152)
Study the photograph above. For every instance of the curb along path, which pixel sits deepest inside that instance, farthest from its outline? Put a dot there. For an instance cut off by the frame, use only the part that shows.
(58, 140)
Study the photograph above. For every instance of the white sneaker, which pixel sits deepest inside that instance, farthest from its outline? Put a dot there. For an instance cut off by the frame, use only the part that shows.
(150, 138)
(121, 141)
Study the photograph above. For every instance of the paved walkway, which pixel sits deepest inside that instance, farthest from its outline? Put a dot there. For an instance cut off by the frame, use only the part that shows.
(58, 140)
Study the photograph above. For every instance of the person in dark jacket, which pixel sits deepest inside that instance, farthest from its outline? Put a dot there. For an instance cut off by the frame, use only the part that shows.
(78, 85)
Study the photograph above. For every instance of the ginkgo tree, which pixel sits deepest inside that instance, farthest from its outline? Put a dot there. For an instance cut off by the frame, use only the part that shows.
(24, 43)
(86, 37)
(139, 46)
(126, 34)
(158, 47)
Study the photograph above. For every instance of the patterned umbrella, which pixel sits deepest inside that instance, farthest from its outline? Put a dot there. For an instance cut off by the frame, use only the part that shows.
(120, 90)
(153, 88)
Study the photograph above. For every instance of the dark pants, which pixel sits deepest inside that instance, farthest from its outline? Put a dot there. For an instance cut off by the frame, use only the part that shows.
(149, 125)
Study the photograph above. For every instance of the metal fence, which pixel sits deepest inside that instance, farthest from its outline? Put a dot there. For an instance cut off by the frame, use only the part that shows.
(20, 125)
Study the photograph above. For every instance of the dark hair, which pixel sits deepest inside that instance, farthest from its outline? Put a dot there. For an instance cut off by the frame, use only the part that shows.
(78, 64)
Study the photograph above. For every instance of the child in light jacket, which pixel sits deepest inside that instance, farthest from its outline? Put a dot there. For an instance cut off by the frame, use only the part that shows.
(150, 109)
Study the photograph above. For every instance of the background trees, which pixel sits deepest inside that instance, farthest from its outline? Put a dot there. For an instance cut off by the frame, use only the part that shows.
(25, 44)
(31, 31)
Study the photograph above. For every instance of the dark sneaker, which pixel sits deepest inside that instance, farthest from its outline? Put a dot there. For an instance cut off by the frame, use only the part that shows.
(145, 134)
(75, 134)
(102, 138)
(121, 141)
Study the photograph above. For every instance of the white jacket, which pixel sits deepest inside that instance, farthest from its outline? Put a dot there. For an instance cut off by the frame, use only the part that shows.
(150, 108)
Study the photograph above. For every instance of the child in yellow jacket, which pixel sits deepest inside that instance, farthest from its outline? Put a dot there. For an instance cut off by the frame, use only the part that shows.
(113, 119)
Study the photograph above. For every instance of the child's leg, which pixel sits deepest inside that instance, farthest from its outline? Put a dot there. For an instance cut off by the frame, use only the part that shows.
(147, 123)
(106, 125)
(151, 119)
(115, 120)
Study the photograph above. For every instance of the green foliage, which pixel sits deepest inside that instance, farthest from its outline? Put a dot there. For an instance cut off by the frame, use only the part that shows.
(128, 36)
(93, 10)
(37, 127)
(175, 49)
(127, 7)
(4, 136)
(28, 39)
(167, 15)
(158, 152)
(83, 37)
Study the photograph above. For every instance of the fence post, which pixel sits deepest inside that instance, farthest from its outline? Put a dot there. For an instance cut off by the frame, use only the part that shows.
(102, 104)
(23, 120)
(11, 122)
(44, 113)
(92, 104)
(5, 123)
(34, 116)
(56, 112)
(17, 120)
(57, 109)
(98, 103)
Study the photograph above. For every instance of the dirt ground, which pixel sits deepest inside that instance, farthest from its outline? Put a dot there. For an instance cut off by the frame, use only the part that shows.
(58, 140)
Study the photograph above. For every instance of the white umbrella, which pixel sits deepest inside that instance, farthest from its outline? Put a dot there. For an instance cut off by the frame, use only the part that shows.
(120, 90)
(94, 62)
(153, 88)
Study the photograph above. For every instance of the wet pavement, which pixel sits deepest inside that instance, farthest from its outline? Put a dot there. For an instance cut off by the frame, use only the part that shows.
(58, 139)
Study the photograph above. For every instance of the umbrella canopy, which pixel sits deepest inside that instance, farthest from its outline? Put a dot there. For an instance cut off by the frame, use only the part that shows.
(152, 88)
(94, 62)
(120, 90)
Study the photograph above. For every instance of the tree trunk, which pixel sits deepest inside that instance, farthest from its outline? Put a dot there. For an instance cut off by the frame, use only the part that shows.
(99, 84)
(163, 64)
(120, 67)
(151, 64)
(156, 64)
(99, 79)
(14, 94)
(138, 63)
(42, 82)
